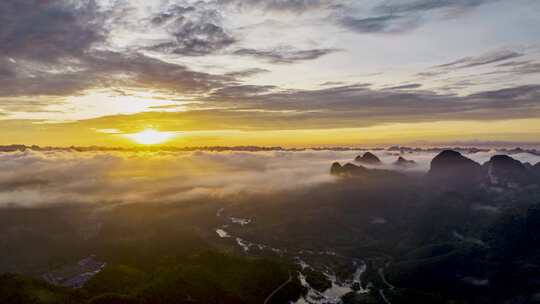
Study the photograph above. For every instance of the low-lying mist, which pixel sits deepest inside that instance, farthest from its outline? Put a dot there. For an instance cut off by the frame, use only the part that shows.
(36, 179)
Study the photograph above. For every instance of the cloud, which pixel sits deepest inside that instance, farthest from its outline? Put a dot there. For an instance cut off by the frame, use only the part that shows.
(195, 31)
(358, 105)
(525, 67)
(294, 6)
(500, 62)
(76, 49)
(399, 7)
(36, 179)
(522, 93)
(379, 24)
(103, 179)
(485, 59)
(105, 69)
(48, 30)
(28, 105)
(284, 55)
(405, 86)
(248, 73)
(231, 92)
(151, 73)
(251, 107)
(62, 48)
(332, 83)
(398, 16)
(7, 68)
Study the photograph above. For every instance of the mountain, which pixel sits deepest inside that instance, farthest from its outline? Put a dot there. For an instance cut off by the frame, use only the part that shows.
(536, 170)
(368, 159)
(402, 162)
(503, 170)
(450, 168)
(348, 169)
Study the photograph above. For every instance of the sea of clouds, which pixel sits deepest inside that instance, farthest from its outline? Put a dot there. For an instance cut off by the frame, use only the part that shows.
(36, 178)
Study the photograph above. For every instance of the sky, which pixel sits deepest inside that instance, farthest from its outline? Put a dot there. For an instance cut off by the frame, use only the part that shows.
(269, 72)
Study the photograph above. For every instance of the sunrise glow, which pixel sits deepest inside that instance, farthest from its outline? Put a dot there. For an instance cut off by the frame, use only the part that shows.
(150, 137)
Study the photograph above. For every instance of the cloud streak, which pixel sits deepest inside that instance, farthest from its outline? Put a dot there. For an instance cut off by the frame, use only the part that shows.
(485, 59)
(379, 24)
(284, 55)
(396, 16)
(415, 6)
(293, 6)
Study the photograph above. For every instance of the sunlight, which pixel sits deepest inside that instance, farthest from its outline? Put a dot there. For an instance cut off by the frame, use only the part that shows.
(150, 137)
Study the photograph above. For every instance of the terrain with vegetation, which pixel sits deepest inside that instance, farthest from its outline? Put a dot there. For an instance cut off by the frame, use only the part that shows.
(463, 232)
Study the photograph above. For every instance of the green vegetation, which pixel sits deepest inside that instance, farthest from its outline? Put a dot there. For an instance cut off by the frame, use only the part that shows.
(317, 279)
(15, 289)
(153, 255)
(206, 278)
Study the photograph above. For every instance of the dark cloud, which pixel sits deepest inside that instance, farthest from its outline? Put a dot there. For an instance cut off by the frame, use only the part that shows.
(514, 63)
(524, 93)
(405, 86)
(488, 59)
(521, 67)
(241, 90)
(196, 40)
(7, 68)
(332, 83)
(248, 73)
(150, 73)
(195, 31)
(485, 59)
(50, 48)
(171, 14)
(430, 74)
(295, 6)
(380, 24)
(112, 70)
(399, 7)
(459, 84)
(285, 55)
(358, 105)
(46, 83)
(40, 30)
(397, 16)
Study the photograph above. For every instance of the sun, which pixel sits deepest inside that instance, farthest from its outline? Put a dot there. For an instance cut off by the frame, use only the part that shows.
(150, 137)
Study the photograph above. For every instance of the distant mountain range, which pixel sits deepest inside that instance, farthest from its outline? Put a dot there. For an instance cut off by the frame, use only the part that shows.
(400, 149)
(451, 169)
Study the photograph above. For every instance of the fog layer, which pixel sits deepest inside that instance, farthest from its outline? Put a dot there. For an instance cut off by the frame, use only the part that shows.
(35, 179)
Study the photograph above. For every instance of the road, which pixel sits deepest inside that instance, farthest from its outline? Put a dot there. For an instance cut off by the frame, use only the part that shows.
(383, 296)
(383, 278)
(278, 289)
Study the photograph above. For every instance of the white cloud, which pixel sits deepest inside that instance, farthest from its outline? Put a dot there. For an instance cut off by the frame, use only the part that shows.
(35, 179)
(43, 178)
